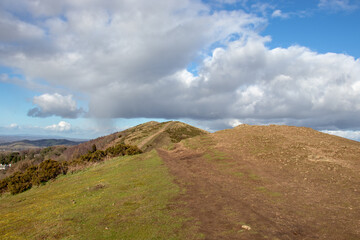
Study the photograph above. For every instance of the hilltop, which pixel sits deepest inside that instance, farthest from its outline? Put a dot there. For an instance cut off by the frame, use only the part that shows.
(249, 182)
(146, 136)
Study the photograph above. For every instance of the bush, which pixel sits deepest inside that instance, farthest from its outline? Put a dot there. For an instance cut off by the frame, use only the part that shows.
(4, 185)
(47, 170)
(19, 182)
(132, 150)
(123, 149)
(117, 150)
(96, 156)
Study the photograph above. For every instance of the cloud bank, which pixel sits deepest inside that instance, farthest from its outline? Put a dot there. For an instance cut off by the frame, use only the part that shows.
(131, 59)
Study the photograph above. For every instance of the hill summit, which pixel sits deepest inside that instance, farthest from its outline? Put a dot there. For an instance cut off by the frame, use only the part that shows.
(146, 136)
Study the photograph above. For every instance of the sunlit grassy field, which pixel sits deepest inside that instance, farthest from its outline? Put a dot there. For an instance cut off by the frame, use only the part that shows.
(122, 198)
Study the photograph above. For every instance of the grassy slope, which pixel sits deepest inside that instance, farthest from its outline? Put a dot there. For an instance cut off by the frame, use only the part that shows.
(123, 198)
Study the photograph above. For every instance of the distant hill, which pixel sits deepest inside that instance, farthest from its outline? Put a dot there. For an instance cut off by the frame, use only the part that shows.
(249, 182)
(30, 144)
(14, 138)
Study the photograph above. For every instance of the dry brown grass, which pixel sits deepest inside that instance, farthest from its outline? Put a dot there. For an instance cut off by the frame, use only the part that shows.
(284, 182)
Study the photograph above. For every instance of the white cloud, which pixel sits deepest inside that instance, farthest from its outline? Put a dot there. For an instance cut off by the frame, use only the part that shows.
(234, 122)
(96, 45)
(248, 81)
(130, 59)
(337, 5)
(55, 105)
(62, 126)
(278, 13)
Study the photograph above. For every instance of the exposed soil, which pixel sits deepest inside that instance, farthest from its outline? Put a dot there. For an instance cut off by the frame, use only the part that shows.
(272, 182)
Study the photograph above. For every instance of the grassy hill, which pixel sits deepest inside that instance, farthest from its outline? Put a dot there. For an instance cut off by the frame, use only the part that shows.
(250, 182)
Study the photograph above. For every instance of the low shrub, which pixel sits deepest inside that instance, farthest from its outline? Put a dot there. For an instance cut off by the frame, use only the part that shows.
(123, 149)
(132, 150)
(96, 156)
(19, 182)
(48, 169)
(4, 185)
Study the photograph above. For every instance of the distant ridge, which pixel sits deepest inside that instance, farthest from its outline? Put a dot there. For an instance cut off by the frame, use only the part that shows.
(29, 144)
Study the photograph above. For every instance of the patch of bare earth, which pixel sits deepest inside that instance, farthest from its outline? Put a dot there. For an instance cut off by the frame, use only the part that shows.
(273, 182)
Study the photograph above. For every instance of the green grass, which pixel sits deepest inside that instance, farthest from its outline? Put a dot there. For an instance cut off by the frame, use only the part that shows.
(122, 198)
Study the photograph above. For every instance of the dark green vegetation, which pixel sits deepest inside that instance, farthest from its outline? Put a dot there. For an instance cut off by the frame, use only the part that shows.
(12, 157)
(34, 175)
(50, 169)
(36, 155)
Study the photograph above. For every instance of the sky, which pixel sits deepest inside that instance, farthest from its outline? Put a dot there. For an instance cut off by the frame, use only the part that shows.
(87, 68)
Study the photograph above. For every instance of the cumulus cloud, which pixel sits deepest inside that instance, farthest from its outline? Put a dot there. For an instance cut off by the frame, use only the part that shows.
(55, 105)
(62, 126)
(132, 41)
(130, 59)
(248, 81)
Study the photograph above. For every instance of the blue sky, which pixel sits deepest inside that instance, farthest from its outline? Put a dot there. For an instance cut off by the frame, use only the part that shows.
(86, 69)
